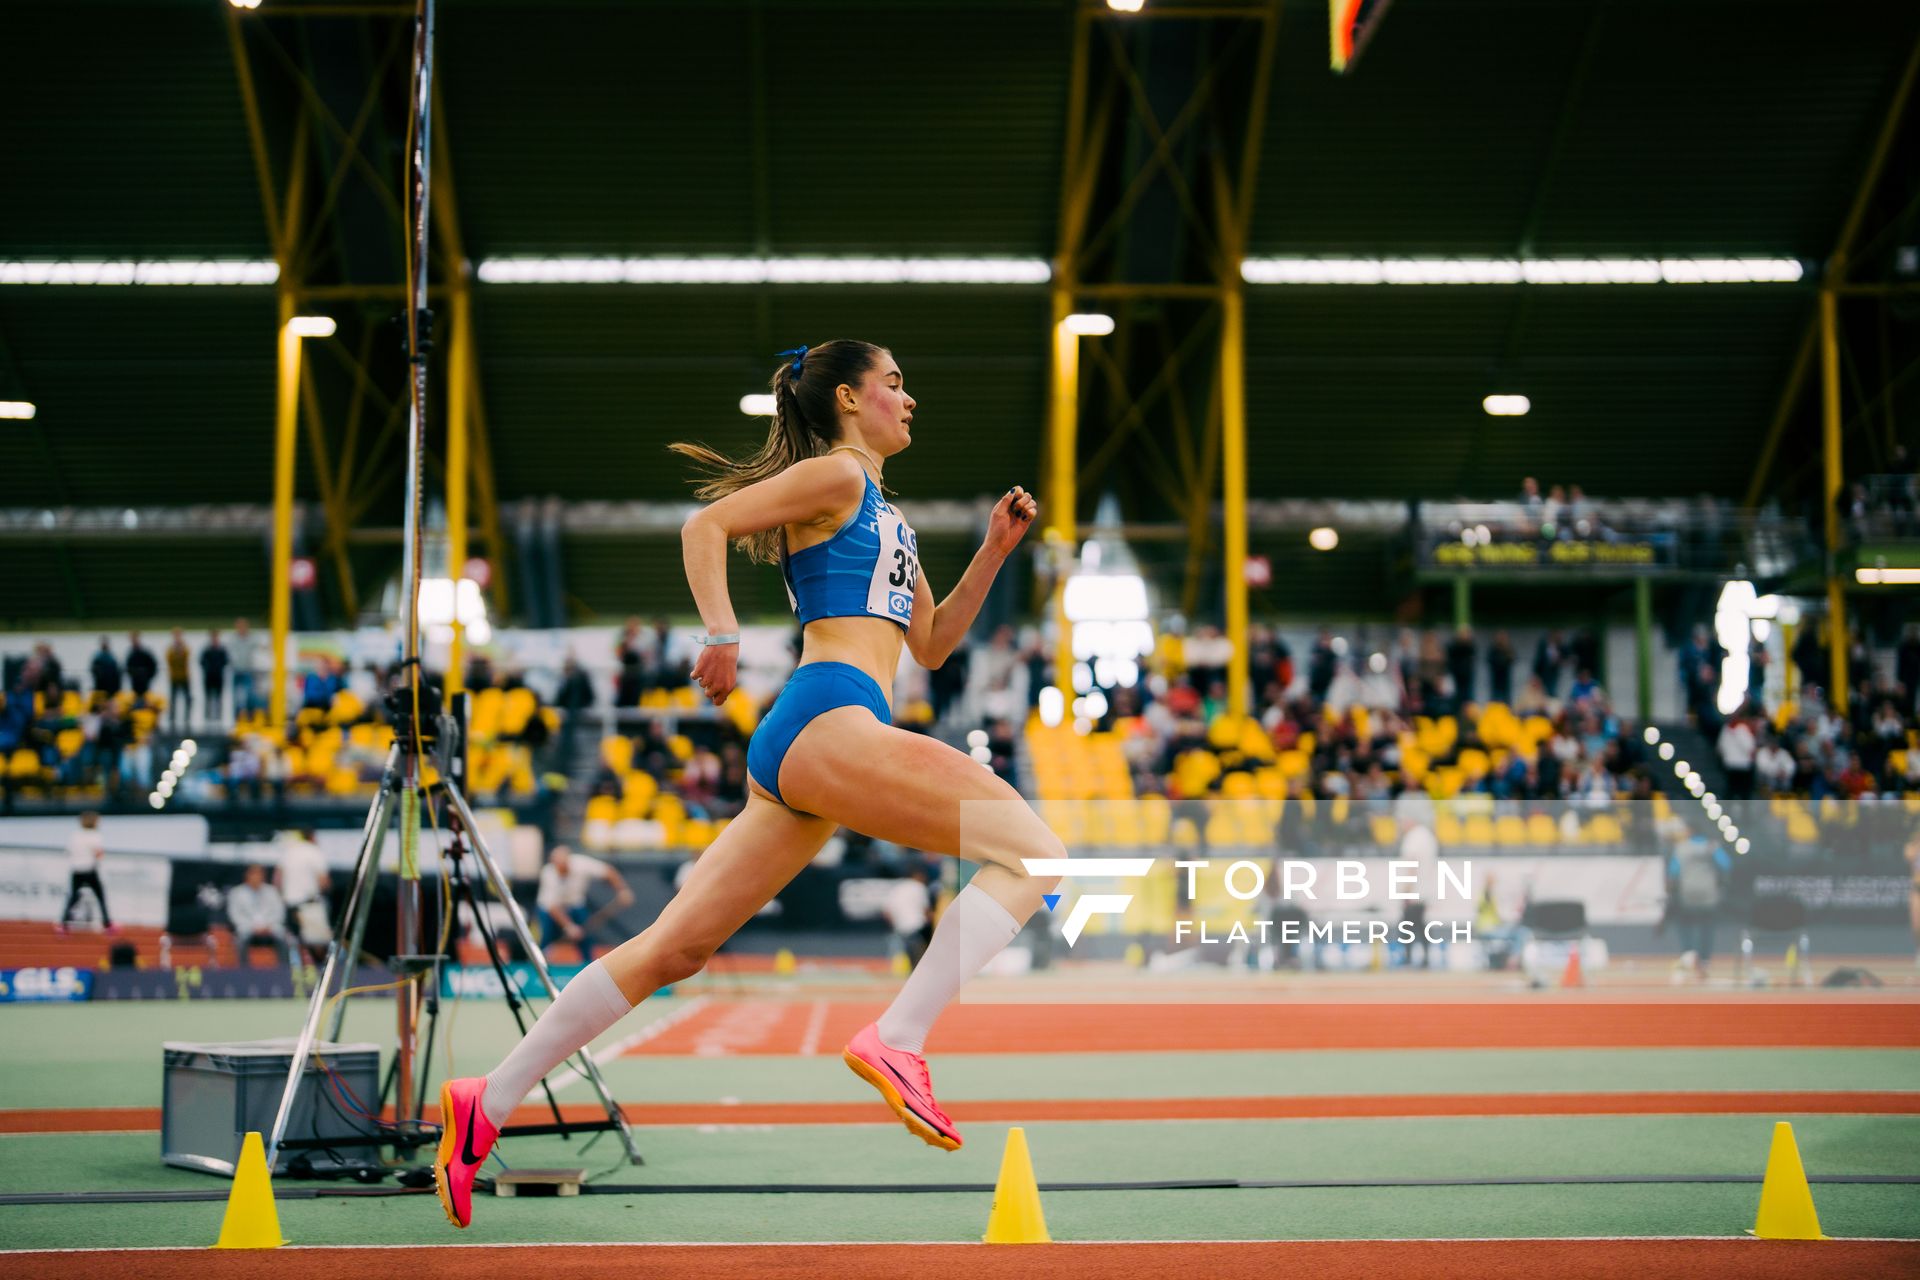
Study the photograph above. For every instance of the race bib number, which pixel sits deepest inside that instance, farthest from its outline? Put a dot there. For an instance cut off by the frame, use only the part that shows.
(896, 574)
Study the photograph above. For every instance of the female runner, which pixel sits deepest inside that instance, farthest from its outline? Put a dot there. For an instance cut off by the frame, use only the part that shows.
(826, 754)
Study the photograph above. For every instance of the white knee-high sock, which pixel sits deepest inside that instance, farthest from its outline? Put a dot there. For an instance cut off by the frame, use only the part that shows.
(973, 931)
(586, 1006)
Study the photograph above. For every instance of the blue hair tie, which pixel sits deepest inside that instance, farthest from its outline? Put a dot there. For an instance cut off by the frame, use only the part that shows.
(799, 355)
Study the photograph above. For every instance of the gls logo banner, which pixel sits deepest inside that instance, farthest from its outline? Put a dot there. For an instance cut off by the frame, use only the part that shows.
(1088, 905)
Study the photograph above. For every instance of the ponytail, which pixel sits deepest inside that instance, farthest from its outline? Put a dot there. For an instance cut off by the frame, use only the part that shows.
(804, 426)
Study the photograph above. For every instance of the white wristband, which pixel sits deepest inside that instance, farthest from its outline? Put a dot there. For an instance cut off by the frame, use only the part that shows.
(732, 637)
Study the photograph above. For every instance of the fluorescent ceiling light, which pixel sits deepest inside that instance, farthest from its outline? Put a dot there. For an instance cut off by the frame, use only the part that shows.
(1126, 6)
(1089, 324)
(760, 406)
(311, 326)
(1878, 577)
(155, 271)
(1506, 406)
(1461, 271)
(810, 270)
(21, 409)
(1323, 539)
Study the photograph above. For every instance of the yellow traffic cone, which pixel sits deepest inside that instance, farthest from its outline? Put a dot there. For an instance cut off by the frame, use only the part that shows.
(1017, 1217)
(1136, 955)
(900, 966)
(1786, 1202)
(783, 962)
(252, 1221)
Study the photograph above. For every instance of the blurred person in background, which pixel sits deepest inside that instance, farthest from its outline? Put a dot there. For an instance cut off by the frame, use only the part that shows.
(1738, 748)
(909, 912)
(561, 900)
(303, 880)
(141, 667)
(1549, 660)
(1500, 669)
(1774, 767)
(179, 683)
(214, 661)
(1461, 659)
(243, 650)
(1699, 663)
(85, 850)
(257, 912)
(1697, 872)
(106, 670)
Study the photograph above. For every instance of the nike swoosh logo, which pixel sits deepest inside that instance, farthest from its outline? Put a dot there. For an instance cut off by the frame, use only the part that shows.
(904, 1083)
(466, 1153)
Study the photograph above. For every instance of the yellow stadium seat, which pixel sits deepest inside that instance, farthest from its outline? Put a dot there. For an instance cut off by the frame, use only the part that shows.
(1800, 827)
(1238, 786)
(1510, 828)
(1386, 832)
(24, 764)
(1604, 828)
(603, 809)
(69, 741)
(1156, 817)
(1478, 829)
(1541, 830)
(517, 710)
(617, 754)
(1446, 827)
(697, 833)
(484, 715)
(681, 746)
(1293, 764)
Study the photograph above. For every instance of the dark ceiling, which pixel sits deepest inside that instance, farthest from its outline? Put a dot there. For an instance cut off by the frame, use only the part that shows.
(1496, 127)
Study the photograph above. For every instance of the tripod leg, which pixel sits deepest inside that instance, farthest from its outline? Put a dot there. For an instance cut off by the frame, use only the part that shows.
(352, 931)
(504, 891)
(359, 903)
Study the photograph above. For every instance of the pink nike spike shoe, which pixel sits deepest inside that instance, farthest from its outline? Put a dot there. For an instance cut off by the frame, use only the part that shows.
(903, 1081)
(466, 1136)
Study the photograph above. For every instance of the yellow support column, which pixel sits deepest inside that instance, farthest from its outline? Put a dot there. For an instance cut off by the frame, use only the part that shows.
(458, 401)
(286, 423)
(1830, 455)
(1233, 457)
(1063, 478)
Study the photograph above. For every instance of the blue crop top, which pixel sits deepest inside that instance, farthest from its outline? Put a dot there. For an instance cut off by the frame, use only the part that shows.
(868, 568)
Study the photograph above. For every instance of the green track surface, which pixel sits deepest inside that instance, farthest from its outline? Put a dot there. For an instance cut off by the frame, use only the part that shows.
(108, 1055)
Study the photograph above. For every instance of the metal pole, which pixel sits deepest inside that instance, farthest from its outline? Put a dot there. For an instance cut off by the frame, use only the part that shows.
(459, 371)
(1063, 429)
(1462, 601)
(1643, 645)
(352, 920)
(419, 182)
(286, 423)
(1233, 438)
(1830, 457)
(503, 890)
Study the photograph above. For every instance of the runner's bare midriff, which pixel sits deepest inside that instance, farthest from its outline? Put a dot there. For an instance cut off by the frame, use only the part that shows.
(871, 644)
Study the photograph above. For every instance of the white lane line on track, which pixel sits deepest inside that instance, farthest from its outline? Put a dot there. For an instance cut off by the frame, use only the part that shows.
(816, 1026)
(572, 1076)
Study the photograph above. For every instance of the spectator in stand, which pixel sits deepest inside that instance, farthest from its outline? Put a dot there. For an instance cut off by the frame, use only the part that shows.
(84, 853)
(631, 684)
(1461, 658)
(667, 664)
(1530, 507)
(244, 651)
(106, 671)
(946, 682)
(179, 683)
(1583, 650)
(1433, 676)
(1906, 667)
(1322, 665)
(136, 763)
(1773, 767)
(257, 912)
(141, 667)
(1208, 654)
(303, 880)
(1739, 749)
(52, 679)
(1584, 688)
(1700, 661)
(213, 676)
(1500, 669)
(1810, 656)
(575, 695)
(561, 900)
(631, 641)
(1549, 660)
(996, 679)
(322, 683)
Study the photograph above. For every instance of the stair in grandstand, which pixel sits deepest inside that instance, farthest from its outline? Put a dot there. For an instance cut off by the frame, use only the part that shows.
(1696, 748)
(582, 766)
(1025, 778)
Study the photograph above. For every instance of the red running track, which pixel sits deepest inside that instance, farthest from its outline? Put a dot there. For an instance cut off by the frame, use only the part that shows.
(749, 1027)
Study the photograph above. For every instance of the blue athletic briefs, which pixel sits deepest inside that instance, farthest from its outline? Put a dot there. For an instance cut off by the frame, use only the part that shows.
(812, 690)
